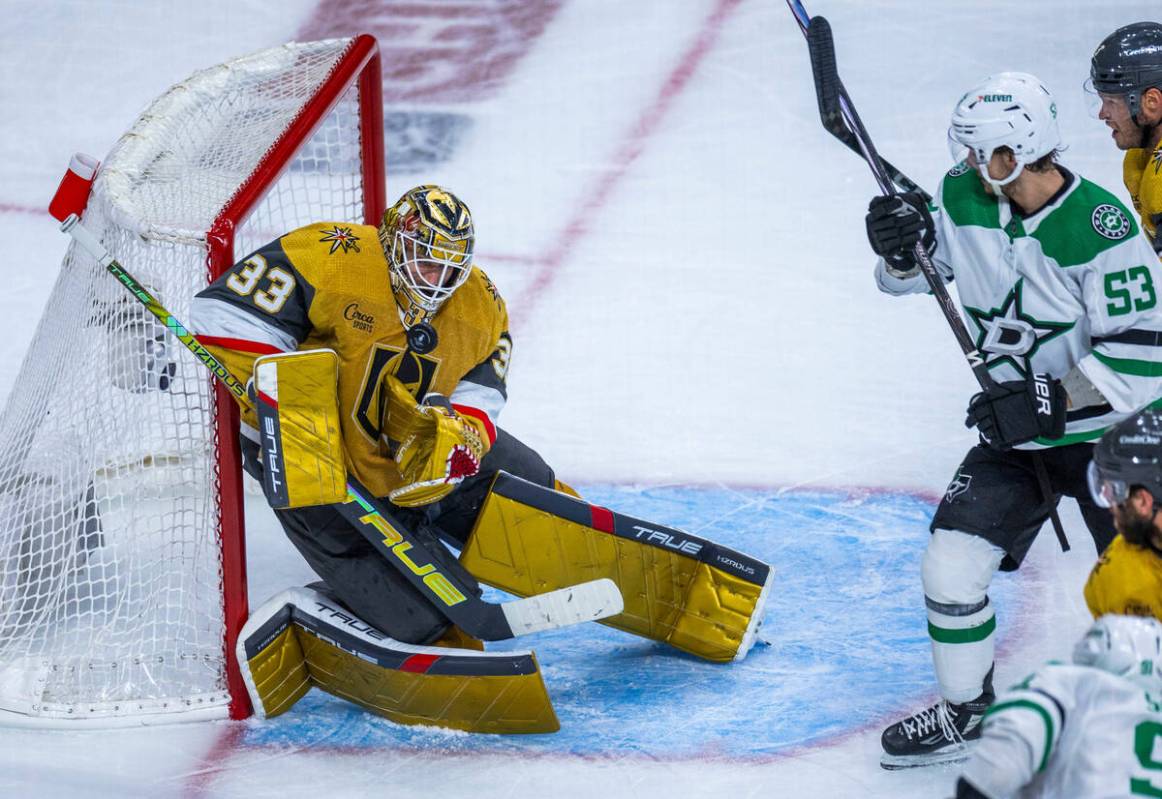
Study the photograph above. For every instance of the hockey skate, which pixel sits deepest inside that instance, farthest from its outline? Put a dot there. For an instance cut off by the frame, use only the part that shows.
(940, 734)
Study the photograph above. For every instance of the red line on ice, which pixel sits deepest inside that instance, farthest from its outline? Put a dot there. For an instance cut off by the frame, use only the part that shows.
(632, 146)
(201, 780)
(13, 208)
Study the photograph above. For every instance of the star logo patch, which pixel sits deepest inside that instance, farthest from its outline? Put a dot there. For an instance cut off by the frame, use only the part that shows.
(1009, 335)
(1110, 222)
(340, 237)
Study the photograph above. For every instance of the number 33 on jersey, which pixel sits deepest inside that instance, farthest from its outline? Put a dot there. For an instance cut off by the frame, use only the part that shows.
(327, 285)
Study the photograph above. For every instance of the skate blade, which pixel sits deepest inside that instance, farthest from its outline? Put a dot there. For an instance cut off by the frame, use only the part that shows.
(957, 753)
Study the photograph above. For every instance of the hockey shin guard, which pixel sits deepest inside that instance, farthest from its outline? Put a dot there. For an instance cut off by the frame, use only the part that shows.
(957, 570)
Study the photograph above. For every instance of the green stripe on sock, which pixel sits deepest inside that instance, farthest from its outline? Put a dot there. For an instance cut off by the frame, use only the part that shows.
(1000, 707)
(943, 635)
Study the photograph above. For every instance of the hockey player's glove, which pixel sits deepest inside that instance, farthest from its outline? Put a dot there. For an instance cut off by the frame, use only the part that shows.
(435, 448)
(1018, 411)
(894, 225)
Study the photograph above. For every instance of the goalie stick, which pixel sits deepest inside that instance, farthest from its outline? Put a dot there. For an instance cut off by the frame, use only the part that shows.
(588, 601)
(841, 120)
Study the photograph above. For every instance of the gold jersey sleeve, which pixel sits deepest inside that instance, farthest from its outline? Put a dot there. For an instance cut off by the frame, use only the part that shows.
(1142, 173)
(1126, 579)
(327, 285)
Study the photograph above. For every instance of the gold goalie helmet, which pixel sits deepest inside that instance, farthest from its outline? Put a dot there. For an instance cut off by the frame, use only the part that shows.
(428, 238)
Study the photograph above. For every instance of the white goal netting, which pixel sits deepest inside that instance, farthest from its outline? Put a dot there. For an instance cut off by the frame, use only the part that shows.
(112, 522)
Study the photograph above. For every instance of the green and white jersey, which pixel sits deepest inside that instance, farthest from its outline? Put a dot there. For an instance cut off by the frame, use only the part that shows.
(1072, 286)
(1070, 731)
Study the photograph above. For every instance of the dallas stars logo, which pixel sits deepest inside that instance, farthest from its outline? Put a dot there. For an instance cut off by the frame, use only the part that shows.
(1009, 335)
(340, 237)
(1110, 222)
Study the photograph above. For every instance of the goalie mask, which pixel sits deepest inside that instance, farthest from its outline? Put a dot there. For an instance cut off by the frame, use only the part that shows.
(1009, 109)
(1128, 646)
(428, 239)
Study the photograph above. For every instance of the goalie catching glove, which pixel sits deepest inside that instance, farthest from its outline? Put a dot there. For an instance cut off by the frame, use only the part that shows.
(435, 447)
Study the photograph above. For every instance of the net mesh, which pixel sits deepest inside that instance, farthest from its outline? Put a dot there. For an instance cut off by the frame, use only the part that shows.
(111, 595)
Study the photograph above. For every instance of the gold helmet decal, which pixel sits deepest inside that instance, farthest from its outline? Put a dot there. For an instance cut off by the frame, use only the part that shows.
(428, 239)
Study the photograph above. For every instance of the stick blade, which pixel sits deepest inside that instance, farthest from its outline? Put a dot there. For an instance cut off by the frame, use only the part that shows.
(823, 67)
(589, 601)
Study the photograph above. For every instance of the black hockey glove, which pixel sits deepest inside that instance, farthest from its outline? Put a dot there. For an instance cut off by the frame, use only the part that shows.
(895, 224)
(1017, 411)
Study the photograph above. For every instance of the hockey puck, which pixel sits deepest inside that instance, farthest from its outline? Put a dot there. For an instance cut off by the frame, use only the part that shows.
(422, 338)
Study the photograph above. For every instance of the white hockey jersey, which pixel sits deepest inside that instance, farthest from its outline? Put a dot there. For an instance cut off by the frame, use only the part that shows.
(1070, 731)
(1073, 285)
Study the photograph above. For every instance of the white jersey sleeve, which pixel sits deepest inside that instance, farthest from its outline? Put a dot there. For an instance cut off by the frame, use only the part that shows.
(1069, 731)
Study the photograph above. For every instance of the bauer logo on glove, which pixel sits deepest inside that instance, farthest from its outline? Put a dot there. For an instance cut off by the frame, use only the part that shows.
(435, 447)
(1018, 411)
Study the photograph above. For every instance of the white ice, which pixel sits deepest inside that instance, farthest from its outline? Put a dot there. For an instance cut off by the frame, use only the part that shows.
(707, 315)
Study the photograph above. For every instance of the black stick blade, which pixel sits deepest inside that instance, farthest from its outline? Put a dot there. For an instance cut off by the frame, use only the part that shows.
(827, 86)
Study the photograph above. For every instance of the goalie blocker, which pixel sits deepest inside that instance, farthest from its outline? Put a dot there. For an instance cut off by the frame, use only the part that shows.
(693, 594)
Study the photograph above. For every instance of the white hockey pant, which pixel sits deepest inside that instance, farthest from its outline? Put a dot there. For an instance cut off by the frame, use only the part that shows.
(956, 572)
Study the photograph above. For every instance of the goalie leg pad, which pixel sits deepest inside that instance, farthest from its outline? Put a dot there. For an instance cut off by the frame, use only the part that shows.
(298, 421)
(302, 638)
(691, 593)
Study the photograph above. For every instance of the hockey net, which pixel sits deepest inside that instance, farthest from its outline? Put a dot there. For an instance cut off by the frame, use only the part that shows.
(122, 579)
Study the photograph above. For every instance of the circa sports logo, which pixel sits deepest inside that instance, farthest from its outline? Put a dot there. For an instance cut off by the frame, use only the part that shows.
(1110, 221)
(358, 319)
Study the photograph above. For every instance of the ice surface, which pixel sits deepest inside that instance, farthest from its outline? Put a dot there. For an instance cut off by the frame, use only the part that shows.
(698, 340)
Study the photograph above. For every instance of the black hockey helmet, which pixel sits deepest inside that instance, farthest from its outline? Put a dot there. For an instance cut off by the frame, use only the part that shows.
(1128, 62)
(1128, 455)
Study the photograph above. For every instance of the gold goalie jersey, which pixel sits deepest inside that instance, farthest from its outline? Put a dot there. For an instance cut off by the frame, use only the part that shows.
(1127, 580)
(327, 285)
(1142, 173)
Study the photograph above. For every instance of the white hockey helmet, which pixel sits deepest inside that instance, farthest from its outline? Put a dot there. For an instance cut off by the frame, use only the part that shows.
(1009, 109)
(1129, 646)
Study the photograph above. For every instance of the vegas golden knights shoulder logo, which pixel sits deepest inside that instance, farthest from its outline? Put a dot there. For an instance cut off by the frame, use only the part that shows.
(340, 237)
